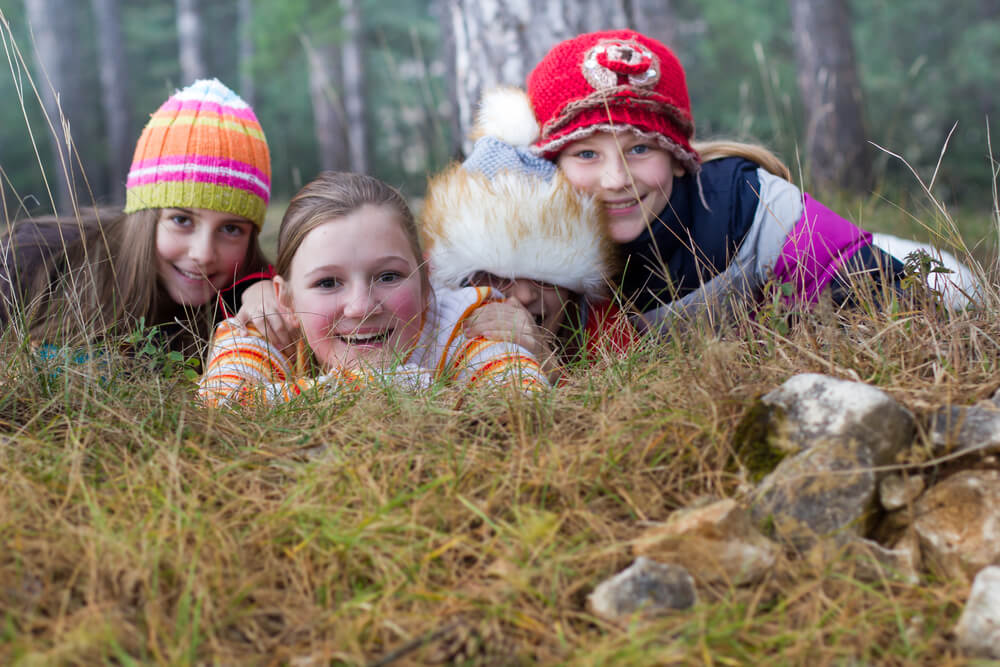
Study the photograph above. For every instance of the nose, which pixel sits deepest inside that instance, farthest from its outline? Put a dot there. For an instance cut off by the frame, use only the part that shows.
(614, 175)
(201, 248)
(361, 303)
(524, 291)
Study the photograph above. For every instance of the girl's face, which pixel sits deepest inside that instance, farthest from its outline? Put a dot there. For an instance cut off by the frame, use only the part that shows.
(355, 286)
(545, 302)
(631, 175)
(198, 252)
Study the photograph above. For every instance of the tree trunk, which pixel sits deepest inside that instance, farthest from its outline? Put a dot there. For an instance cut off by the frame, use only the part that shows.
(837, 156)
(656, 19)
(353, 69)
(441, 10)
(114, 94)
(246, 51)
(51, 24)
(192, 57)
(497, 42)
(328, 116)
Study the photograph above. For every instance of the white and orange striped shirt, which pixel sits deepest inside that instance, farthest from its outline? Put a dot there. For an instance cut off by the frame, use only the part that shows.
(243, 367)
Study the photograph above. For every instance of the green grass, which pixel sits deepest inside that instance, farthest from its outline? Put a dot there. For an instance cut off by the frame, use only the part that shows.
(140, 527)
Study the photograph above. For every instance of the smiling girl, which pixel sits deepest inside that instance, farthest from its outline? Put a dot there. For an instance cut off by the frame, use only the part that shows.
(195, 200)
(697, 226)
(351, 278)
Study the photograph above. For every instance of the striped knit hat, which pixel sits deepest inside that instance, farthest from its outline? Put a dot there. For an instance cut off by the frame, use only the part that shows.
(202, 149)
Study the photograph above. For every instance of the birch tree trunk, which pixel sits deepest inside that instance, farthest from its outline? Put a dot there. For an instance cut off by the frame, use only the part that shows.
(246, 51)
(191, 55)
(114, 94)
(656, 19)
(328, 116)
(50, 22)
(354, 88)
(497, 42)
(837, 156)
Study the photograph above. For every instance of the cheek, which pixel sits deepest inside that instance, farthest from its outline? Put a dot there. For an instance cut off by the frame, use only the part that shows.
(406, 304)
(578, 175)
(233, 254)
(167, 245)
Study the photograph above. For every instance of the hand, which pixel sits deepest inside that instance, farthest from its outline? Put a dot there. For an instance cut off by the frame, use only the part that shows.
(260, 307)
(509, 321)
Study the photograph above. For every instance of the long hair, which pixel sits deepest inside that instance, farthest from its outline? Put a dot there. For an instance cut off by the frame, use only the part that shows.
(720, 148)
(95, 277)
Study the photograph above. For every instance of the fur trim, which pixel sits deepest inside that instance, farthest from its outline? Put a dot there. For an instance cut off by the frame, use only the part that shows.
(506, 113)
(516, 227)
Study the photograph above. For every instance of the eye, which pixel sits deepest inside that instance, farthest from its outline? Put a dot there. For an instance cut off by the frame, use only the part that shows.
(586, 154)
(639, 149)
(388, 277)
(233, 230)
(181, 220)
(328, 283)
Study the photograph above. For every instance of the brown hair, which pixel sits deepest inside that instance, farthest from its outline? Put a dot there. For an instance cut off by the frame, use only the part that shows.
(336, 194)
(94, 275)
(715, 150)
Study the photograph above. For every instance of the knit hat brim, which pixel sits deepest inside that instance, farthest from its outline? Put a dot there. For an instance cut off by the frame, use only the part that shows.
(616, 119)
(515, 226)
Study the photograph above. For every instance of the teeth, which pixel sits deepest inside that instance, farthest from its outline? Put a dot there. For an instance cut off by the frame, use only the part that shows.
(363, 338)
(627, 204)
(189, 274)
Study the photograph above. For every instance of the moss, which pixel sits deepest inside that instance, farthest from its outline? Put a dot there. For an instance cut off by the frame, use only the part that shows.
(753, 447)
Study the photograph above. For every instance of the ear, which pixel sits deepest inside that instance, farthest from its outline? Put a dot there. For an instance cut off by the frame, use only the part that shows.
(678, 169)
(282, 293)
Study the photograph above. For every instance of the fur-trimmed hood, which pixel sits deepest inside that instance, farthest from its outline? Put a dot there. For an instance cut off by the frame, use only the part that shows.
(512, 214)
(515, 226)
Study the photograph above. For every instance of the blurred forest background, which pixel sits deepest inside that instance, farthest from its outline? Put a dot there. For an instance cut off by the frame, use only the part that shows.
(390, 86)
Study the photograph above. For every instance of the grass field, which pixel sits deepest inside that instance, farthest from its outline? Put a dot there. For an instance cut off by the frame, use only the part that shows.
(138, 527)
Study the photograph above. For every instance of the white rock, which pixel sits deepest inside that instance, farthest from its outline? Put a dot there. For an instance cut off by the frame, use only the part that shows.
(978, 630)
(647, 587)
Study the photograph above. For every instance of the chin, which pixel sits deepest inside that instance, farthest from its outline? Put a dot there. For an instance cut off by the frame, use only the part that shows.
(623, 232)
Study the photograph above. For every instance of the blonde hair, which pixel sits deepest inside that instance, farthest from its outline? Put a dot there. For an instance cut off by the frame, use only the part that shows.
(336, 194)
(96, 275)
(720, 148)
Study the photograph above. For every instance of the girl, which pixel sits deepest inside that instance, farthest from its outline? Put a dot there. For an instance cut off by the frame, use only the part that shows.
(698, 226)
(349, 269)
(195, 200)
(509, 220)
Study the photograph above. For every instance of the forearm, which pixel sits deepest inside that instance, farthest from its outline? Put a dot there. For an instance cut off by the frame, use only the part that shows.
(240, 364)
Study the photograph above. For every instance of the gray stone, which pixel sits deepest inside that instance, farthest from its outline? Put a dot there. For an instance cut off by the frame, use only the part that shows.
(978, 629)
(875, 562)
(838, 432)
(645, 587)
(714, 542)
(958, 523)
(895, 491)
(968, 429)
(812, 406)
(827, 491)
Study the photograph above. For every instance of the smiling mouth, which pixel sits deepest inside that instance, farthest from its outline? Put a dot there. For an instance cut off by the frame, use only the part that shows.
(376, 338)
(613, 206)
(191, 275)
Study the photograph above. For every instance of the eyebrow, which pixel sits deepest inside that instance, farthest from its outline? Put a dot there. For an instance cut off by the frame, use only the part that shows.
(336, 267)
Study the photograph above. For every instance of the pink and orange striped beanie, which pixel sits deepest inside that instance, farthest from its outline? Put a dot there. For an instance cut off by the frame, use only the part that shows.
(202, 149)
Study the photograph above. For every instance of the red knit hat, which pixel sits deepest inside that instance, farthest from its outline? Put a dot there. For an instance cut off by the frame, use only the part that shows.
(610, 81)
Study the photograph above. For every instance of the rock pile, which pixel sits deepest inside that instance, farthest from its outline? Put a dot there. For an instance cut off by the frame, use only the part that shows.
(837, 467)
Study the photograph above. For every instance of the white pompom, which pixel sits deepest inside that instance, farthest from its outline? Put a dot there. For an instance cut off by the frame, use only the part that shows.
(506, 113)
